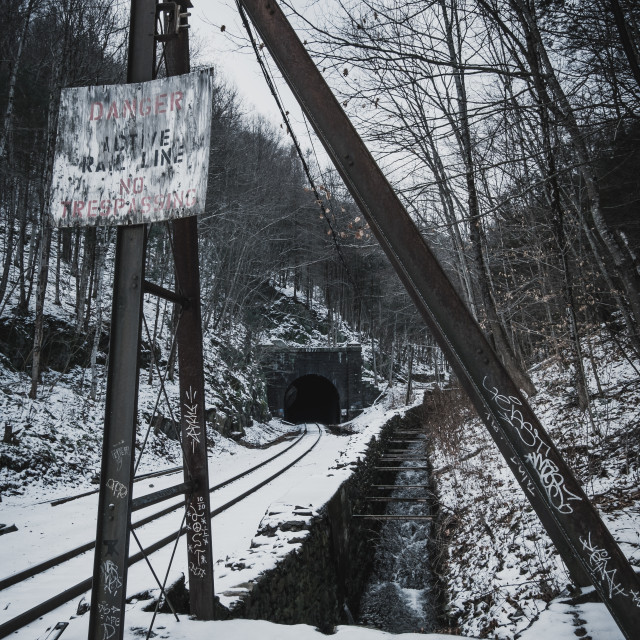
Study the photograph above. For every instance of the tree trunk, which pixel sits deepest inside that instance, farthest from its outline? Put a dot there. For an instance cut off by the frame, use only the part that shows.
(45, 243)
(10, 233)
(8, 113)
(88, 255)
(498, 333)
(625, 271)
(410, 376)
(101, 250)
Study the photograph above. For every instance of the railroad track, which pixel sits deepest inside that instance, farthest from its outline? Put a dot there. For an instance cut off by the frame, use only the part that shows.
(33, 613)
(84, 494)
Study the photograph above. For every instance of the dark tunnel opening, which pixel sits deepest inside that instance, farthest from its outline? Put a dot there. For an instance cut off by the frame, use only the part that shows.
(312, 398)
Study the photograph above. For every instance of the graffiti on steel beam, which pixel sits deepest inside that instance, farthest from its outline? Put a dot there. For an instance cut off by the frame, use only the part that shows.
(598, 561)
(119, 490)
(109, 619)
(548, 472)
(111, 578)
(192, 421)
(119, 452)
(524, 478)
(199, 539)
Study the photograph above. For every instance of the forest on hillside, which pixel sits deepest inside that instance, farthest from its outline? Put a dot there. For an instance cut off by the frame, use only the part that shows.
(510, 128)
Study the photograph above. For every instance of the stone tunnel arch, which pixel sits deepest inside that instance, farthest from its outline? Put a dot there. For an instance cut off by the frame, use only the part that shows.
(312, 398)
(339, 366)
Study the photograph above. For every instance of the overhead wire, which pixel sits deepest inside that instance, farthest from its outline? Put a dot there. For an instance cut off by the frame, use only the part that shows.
(274, 92)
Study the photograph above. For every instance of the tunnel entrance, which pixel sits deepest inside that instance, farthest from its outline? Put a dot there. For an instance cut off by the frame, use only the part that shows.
(312, 398)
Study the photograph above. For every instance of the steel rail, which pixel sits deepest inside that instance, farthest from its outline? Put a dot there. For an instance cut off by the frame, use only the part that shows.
(145, 476)
(34, 570)
(26, 617)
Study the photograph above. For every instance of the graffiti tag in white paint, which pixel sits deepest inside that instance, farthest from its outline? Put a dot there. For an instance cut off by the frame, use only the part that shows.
(191, 419)
(548, 472)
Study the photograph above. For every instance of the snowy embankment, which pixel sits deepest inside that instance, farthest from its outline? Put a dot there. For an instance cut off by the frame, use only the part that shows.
(502, 574)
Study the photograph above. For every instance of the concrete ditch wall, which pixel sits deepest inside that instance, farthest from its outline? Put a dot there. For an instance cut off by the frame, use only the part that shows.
(320, 584)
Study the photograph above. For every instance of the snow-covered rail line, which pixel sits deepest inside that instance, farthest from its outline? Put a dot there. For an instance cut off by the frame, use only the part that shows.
(46, 578)
(144, 476)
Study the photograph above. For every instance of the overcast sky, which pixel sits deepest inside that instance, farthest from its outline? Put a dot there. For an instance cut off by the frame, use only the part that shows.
(229, 52)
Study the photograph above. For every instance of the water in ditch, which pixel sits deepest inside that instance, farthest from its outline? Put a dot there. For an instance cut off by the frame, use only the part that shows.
(399, 596)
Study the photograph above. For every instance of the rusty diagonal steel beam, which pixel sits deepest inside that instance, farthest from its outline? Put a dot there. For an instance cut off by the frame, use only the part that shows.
(573, 524)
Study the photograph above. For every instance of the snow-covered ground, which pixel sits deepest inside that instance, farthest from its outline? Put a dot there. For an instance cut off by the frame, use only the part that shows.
(479, 562)
(502, 574)
(240, 553)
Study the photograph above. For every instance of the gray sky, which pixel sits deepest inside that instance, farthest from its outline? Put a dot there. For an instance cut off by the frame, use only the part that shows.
(238, 63)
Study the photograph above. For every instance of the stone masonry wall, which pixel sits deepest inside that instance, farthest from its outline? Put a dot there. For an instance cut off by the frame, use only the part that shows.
(320, 583)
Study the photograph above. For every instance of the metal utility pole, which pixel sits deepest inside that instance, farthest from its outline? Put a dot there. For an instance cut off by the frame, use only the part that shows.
(191, 364)
(572, 522)
(108, 594)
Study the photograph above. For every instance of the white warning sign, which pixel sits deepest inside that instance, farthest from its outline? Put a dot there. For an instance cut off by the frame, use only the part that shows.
(131, 154)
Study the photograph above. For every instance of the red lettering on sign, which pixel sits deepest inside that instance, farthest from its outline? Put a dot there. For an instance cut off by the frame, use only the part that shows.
(95, 112)
(113, 111)
(138, 185)
(129, 108)
(78, 206)
(66, 207)
(161, 105)
(92, 211)
(176, 100)
(190, 200)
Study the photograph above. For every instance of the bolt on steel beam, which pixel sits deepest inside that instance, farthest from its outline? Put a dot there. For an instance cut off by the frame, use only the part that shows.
(585, 544)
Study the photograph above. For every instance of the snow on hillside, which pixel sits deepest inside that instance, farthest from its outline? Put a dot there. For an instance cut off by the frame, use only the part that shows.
(502, 574)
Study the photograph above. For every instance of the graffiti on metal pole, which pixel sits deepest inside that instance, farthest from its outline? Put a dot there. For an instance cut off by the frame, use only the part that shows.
(133, 153)
(524, 478)
(111, 577)
(109, 619)
(199, 539)
(548, 472)
(119, 490)
(119, 452)
(599, 563)
(192, 429)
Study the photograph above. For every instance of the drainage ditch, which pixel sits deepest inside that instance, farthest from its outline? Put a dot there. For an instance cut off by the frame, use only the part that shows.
(399, 596)
(361, 570)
